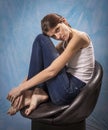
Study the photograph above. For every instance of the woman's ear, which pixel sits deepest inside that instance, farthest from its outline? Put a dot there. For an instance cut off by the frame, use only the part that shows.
(65, 21)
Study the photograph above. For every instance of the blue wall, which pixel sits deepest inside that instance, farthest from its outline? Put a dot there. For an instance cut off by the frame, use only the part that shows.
(19, 25)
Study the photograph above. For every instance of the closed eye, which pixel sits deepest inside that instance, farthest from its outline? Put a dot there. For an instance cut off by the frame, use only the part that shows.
(57, 29)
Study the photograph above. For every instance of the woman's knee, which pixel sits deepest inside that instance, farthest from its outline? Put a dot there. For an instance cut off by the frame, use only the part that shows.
(41, 37)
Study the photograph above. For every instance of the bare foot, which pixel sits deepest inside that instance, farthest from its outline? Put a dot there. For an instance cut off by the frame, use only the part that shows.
(24, 102)
(39, 96)
(12, 111)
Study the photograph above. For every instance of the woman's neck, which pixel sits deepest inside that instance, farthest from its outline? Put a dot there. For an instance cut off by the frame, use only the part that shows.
(70, 35)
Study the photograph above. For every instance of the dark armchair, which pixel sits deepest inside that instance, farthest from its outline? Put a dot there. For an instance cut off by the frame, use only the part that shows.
(69, 117)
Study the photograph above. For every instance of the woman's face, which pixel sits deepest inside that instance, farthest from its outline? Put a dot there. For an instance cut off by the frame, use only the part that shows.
(60, 32)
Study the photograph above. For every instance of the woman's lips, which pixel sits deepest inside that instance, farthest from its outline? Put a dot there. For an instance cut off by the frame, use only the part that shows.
(63, 38)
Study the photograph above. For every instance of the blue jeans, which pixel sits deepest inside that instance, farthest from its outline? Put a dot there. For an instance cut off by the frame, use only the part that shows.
(64, 87)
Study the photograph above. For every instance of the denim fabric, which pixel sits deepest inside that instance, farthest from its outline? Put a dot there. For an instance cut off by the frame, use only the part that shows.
(64, 87)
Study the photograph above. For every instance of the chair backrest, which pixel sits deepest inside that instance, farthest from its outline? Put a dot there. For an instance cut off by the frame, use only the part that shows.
(85, 102)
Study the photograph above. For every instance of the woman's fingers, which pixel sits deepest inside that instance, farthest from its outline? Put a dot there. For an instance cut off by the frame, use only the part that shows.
(15, 103)
(11, 98)
(20, 101)
(13, 94)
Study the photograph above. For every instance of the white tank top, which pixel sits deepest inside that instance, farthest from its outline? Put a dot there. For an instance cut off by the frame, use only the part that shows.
(82, 64)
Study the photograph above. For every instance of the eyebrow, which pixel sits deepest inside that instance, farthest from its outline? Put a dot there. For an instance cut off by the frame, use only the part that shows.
(55, 30)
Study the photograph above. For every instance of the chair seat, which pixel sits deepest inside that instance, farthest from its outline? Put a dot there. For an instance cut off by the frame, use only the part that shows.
(46, 109)
(75, 112)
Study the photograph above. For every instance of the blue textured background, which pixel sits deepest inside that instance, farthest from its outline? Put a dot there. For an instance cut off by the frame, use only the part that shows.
(19, 25)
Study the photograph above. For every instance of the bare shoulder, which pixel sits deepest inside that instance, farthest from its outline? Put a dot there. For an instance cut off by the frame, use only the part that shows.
(85, 40)
(80, 38)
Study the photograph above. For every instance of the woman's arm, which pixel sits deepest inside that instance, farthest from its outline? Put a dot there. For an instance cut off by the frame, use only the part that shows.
(77, 42)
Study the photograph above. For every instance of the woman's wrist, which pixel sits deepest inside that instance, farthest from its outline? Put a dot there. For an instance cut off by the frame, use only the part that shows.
(22, 87)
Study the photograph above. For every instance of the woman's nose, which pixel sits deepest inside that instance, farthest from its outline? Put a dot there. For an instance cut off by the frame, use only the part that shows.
(57, 35)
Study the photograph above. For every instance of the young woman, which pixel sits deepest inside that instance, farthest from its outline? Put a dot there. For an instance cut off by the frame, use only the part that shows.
(56, 73)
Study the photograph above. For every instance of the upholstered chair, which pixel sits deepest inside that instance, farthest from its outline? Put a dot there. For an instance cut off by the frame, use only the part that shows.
(69, 117)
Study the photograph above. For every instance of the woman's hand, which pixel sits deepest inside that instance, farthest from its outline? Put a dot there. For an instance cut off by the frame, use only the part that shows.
(18, 102)
(14, 93)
